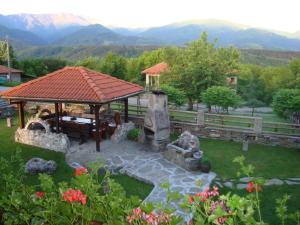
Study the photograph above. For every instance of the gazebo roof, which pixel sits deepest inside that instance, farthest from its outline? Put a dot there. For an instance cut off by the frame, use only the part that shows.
(156, 69)
(74, 84)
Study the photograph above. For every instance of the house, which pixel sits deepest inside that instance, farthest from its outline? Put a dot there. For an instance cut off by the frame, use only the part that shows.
(153, 74)
(10, 74)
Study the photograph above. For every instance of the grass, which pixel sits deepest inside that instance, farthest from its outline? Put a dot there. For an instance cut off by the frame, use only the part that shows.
(268, 161)
(63, 173)
(268, 198)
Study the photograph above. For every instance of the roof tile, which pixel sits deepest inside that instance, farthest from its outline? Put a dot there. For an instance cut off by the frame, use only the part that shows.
(156, 69)
(74, 84)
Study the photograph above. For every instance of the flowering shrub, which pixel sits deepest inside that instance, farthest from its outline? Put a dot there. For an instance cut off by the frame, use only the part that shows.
(138, 216)
(88, 201)
(209, 207)
(74, 196)
(81, 170)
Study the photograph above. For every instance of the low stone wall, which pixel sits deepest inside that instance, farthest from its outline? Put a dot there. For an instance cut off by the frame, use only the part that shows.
(234, 135)
(42, 138)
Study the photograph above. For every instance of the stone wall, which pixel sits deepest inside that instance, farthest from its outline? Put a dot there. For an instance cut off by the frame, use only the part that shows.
(42, 138)
(229, 134)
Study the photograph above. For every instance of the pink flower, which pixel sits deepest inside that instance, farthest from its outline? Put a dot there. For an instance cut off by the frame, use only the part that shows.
(40, 194)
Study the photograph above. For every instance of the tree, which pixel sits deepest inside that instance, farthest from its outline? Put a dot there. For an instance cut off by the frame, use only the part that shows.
(294, 66)
(92, 63)
(175, 96)
(4, 55)
(254, 103)
(201, 65)
(220, 97)
(54, 64)
(286, 102)
(33, 67)
(114, 65)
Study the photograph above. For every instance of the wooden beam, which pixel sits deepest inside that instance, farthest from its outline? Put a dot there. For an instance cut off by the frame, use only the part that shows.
(96, 109)
(21, 115)
(57, 117)
(60, 109)
(126, 110)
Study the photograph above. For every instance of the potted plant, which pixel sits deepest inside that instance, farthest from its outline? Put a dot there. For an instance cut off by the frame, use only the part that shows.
(205, 165)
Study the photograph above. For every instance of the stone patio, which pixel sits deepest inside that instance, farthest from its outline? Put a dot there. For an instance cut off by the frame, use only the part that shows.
(135, 160)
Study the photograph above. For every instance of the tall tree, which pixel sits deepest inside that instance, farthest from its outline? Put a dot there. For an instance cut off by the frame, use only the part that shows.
(201, 65)
(114, 65)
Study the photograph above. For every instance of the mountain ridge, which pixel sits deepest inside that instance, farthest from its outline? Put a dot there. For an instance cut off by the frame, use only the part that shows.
(73, 30)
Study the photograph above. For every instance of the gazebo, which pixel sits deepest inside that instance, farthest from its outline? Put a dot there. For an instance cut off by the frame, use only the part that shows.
(73, 85)
(153, 74)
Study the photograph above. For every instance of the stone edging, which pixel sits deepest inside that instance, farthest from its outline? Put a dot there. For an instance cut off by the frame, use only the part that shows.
(243, 182)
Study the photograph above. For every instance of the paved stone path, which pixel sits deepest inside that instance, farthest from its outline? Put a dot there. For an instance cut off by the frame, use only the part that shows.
(242, 182)
(133, 159)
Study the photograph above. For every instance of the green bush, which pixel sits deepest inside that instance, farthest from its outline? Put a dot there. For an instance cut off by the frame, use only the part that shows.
(286, 102)
(175, 95)
(133, 134)
(221, 97)
(85, 200)
(10, 84)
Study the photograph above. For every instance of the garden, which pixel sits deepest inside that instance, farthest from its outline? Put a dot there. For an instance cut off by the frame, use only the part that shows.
(87, 196)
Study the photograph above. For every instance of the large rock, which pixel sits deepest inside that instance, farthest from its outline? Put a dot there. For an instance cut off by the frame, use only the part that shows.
(121, 132)
(38, 165)
(188, 141)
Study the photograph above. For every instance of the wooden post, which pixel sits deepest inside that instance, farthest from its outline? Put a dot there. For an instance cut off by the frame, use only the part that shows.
(21, 115)
(200, 118)
(57, 117)
(258, 125)
(126, 110)
(60, 109)
(96, 109)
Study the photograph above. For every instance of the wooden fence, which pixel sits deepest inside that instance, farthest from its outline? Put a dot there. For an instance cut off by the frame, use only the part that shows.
(220, 121)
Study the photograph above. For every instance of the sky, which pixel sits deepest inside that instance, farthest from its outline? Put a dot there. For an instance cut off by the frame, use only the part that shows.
(282, 15)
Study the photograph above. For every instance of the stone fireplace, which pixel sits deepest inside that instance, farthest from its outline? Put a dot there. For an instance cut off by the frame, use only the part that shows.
(157, 123)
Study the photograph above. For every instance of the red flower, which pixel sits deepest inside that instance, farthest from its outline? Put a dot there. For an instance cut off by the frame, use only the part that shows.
(74, 195)
(80, 170)
(251, 187)
(191, 199)
(40, 194)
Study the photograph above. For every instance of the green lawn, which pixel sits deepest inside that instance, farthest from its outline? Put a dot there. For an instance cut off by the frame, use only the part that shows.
(268, 161)
(8, 146)
(268, 198)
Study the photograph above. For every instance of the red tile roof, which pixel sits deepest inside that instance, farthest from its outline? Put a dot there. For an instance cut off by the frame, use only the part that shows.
(156, 69)
(77, 84)
(4, 69)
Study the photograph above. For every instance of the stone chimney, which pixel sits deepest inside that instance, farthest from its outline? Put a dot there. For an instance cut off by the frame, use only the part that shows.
(157, 122)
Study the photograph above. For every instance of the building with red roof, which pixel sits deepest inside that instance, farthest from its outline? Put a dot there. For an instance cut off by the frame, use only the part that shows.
(10, 74)
(153, 75)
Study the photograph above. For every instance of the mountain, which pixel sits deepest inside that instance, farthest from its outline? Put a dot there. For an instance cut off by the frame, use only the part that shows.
(19, 38)
(27, 30)
(227, 34)
(47, 26)
(297, 34)
(128, 31)
(99, 35)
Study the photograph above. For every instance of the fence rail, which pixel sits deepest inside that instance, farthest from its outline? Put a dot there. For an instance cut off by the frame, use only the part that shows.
(217, 121)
